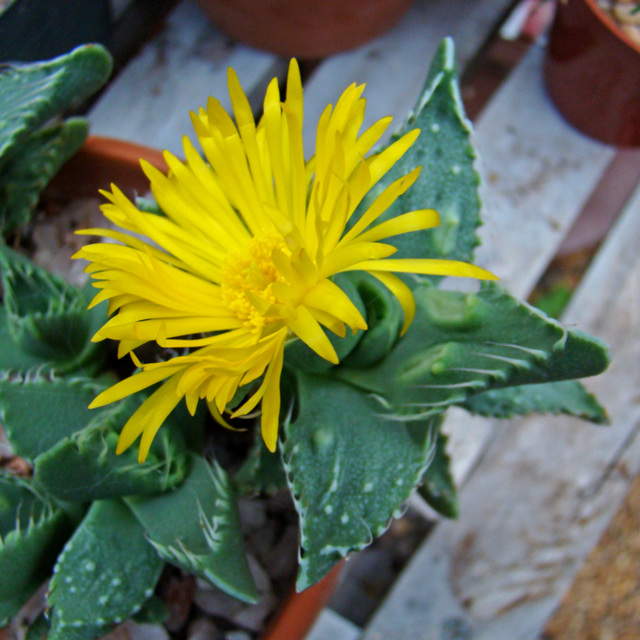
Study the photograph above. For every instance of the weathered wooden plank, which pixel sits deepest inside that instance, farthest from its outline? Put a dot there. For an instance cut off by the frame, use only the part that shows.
(538, 173)
(394, 66)
(150, 100)
(543, 493)
(331, 626)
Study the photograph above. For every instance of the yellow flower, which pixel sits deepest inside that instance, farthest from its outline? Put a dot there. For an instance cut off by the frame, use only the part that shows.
(243, 258)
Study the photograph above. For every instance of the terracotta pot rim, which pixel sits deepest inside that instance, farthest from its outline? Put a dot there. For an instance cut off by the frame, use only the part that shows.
(611, 25)
(128, 153)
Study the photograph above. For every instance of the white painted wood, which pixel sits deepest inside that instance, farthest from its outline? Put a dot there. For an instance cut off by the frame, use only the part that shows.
(394, 66)
(538, 174)
(150, 100)
(543, 493)
(331, 626)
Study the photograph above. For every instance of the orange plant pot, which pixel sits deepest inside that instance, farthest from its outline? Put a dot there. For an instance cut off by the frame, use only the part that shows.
(592, 72)
(101, 162)
(304, 28)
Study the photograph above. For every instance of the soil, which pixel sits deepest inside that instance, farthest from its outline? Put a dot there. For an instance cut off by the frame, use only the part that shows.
(626, 14)
(604, 600)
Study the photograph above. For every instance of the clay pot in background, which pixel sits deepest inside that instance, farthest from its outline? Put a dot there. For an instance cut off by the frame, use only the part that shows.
(592, 71)
(304, 28)
(101, 162)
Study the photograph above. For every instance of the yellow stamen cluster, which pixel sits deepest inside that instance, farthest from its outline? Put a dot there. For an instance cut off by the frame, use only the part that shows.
(249, 277)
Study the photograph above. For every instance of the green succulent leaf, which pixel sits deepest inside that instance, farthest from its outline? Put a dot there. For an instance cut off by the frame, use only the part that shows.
(39, 629)
(32, 532)
(11, 357)
(196, 527)
(32, 94)
(448, 181)
(38, 408)
(79, 632)
(384, 317)
(262, 471)
(105, 573)
(153, 611)
(26, 174)
(438, 488)
(567, 396)
(461, 344)
(85, 467)
(46, 316)
(349, 469)
(12, 605)
(149, 205)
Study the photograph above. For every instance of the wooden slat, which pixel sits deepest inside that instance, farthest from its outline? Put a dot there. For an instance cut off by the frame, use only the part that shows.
(394, 66)
(543, 493)
(331, 626)
(149, 102)
(538, 174)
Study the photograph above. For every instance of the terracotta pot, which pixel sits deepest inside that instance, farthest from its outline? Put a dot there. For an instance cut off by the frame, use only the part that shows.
(103, 161)
(592, 71)
(304, 28)
(300, 610)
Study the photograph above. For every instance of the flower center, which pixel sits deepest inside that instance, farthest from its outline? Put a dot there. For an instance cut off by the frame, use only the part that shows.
(251, 274)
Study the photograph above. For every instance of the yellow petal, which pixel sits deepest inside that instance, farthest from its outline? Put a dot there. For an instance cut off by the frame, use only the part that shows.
(330, 297)
(381, 204)
(425, 267)
(148, 418)
(135, 383)
(402, 292)
(271, 401)
(343, 259)
(382, 162)
(405, 223)
(306, 327)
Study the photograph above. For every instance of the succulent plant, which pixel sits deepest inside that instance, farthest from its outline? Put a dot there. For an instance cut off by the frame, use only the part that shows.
(356, 440)
(34, 140)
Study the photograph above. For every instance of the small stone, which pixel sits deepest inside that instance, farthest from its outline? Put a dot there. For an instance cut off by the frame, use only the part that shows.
(283, 560)
(253, 514)
(177, 592)
(633, 31)
(214, 602)
(121, 632)
(203, 629)
(237, 635)
(148, 632)
(253, 616)
(263, 539)
(129, 630)
(259, 574)
(5, 448)
(626, 13)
